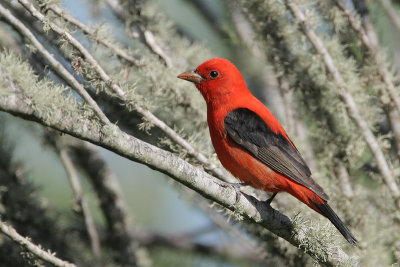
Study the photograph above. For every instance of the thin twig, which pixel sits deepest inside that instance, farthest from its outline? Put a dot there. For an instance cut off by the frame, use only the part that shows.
(39, 252)
(111, 199)
(151, 42)
(121, 94)
(149, 37)
(393, 113)
(68, 77)
(87, 30)
(391, 11)
(373, 50)
(394, 117)
(81, 205)
(349, 101)
(370, 39)
(344, 180)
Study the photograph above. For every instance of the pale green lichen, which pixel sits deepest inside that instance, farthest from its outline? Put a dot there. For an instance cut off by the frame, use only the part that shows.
(46, 96)
(334, 133)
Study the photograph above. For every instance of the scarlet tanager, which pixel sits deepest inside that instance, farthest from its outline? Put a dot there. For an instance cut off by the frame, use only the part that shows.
(251, 143)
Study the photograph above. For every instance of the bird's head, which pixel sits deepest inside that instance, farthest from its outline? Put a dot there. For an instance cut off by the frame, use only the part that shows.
(216, 79)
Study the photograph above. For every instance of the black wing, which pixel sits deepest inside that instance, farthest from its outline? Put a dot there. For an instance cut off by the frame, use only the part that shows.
(250, 131)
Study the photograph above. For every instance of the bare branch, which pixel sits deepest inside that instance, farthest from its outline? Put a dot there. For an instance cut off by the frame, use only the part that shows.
(31, 247)
(81, 205)
(391, 12)
(344, 179)
(111, 199)
(349, 101)
(149, 37)
(154, 46)
(394, 117)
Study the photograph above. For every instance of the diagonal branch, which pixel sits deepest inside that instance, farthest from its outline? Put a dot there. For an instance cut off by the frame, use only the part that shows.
(64, 73)
(349, 101)
(149, 37)
(33, 248)
(373, 50)
(113, 139)
(391, 12)
(80, 201)
(122, 95)
(112, 203)
(88, 31)
(343, 175)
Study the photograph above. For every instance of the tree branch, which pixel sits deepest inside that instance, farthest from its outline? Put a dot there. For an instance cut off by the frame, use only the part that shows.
(88, 31)
(223, 175)
(391, 12)
(112, 202)
(373, 50)
(64, 73)
(113, 139)
(149, 37)
(31, 247)
(349, 101)
(80, 204)
(344, 179)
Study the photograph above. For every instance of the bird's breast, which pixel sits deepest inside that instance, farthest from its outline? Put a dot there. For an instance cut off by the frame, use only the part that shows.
(240, 162)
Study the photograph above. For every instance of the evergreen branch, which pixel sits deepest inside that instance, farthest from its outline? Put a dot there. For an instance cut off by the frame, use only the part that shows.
(64, 73)
(113, 139)
(88, 31)
(121, 94)
(373, 50)
(349, 101)
(80, 205)
(33, 248)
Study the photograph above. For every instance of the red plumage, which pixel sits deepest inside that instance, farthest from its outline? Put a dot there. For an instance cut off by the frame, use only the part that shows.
(251, 143)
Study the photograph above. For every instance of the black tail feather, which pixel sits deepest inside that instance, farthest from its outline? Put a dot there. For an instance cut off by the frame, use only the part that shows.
(327, 211)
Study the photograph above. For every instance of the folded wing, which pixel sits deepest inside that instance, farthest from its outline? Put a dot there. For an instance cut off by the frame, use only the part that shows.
(250, 131)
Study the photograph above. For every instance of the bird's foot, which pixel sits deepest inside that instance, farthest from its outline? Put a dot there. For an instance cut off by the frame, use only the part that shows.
(269, 200)
(237, 187)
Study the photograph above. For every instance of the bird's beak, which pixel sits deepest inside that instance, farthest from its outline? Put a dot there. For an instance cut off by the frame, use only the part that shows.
(190, 76)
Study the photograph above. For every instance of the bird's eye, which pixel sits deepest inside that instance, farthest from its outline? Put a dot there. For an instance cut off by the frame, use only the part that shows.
(214, 74)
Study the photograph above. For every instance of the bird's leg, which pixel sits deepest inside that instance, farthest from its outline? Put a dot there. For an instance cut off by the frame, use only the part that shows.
(237, 187)
(269, 200)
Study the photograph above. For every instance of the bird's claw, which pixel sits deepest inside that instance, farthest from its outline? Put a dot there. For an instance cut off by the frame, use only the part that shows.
(237, 187)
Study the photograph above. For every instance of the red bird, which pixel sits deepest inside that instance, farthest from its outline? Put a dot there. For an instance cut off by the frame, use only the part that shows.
(252, 144)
